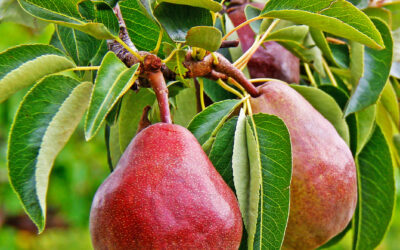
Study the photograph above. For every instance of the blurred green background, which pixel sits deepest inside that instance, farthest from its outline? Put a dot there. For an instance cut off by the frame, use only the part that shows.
(78, 171)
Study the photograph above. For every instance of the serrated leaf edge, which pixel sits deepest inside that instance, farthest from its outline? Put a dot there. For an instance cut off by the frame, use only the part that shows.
(41, 224)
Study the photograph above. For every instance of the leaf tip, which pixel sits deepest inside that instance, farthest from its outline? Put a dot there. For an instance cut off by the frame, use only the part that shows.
(89, 135)
(347, 112)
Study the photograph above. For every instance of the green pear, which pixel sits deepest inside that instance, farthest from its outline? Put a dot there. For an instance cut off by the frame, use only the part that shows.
(165, 194)
(323, 190)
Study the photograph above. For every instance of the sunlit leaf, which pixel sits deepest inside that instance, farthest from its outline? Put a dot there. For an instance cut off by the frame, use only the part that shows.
(376, 188)
(207, 4)
(222, 151)
(79, 46)
(22, 66)
(208, 38)
(142, 28)
(96, 19)
(375, 72)
(113, 80)
(339, 17)
(206, 124)
(276, 172)
(320, 40)
(46, 119)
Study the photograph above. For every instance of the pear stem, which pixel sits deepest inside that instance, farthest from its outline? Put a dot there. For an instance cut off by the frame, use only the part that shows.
(152, 68)
(160, 88)
(225, 67)
(144, 120)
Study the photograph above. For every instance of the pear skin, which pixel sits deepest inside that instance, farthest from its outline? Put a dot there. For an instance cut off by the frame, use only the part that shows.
(323, 190)
(165, 194)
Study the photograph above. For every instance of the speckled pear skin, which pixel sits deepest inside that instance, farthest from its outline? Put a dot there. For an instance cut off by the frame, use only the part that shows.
(323, 192)
(165, 194)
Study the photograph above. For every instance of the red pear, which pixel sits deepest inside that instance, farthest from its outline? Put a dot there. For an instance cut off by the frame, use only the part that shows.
(272, 59)
(165, 194)
(323, 193)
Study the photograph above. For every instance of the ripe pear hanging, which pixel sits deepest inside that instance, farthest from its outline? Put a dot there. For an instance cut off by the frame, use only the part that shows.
(323, 194)
(165, 194)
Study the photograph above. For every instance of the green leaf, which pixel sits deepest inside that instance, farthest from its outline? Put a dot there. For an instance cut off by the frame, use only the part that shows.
(55, 40)
(381, 13)
(376, 189)
(177, 20)
(105, 16)
(46, 119)
(327, 106)
(186, 106)
(338, 94)
(176, 63)
(206, 4)
(112, 116)
(365, 126)
(241, 168)
(276, 172)
(246, 167)
(111, 3)
(79, 46)
(390, 102)
(206, 37)
(22, 66)
(148, 5)
(396, 142)
(394, 8)
(114, 145)
(222, 151)
(338, 17)
(143, 29)
(49, 10)
(295, 33)
(315, 54)
(375, 73)
(206, 124)
(216, 92)
(320, 40)
(131, 111)
(252, 12)
(103, 26)
(101, 52)
(341, 54)
(389, 129)
(254, 169)
(113, 80)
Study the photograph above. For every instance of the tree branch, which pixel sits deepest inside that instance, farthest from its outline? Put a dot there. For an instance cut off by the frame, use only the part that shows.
(203, 68)
(223, 69)
(123, 34)
(229, 44)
